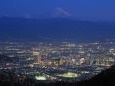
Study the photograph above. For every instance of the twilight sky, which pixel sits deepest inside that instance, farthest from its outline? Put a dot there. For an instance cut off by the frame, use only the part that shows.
(99, 10)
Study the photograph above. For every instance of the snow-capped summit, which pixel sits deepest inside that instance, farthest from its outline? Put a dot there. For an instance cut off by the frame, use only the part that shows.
(59, 12)
(56, 13)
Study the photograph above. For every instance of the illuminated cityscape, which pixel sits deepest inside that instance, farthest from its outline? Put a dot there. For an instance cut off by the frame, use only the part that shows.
(58, 61)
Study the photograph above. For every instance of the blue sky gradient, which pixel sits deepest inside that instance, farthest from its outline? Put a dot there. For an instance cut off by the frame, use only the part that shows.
(99, 10)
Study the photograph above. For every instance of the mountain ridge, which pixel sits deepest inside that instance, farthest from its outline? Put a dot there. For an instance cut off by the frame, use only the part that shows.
(58, 28)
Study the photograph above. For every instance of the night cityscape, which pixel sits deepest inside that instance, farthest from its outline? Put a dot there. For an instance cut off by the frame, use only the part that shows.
(57, 61)
(57, 43)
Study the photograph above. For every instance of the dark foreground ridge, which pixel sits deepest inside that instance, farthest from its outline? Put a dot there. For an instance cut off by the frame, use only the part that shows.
(105, 78)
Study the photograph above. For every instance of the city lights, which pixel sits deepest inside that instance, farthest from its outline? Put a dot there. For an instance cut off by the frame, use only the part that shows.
(40, 78)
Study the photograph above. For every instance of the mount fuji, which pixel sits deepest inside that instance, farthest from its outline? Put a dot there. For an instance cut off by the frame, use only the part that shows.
(56, 13)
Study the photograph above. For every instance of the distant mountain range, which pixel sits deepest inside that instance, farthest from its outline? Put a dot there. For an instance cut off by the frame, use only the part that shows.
(54, 29)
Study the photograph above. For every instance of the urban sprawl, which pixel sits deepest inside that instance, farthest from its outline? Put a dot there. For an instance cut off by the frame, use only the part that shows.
(57, 61)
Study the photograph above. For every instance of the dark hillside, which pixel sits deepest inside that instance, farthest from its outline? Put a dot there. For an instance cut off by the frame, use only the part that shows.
(105, 78)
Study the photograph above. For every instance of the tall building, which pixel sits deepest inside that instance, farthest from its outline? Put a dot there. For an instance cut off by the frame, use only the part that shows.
(82, 60)
(39, 58)
(61, 62)
(87, 62)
